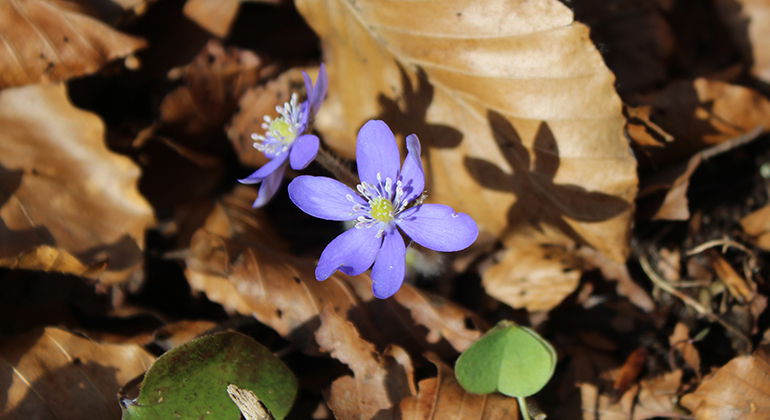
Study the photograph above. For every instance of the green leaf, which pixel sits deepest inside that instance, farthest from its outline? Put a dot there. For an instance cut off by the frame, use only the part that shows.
(190, 381)
(509, 358)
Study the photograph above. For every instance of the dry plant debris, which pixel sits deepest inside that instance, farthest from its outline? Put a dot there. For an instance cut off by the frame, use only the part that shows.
(614, 157)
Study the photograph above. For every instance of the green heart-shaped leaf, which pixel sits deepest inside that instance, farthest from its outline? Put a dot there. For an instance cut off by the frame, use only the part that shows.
(509, 358)
(190, 381)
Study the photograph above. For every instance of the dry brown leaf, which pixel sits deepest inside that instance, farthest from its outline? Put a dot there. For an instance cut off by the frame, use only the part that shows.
(48, 258)
(675, 179)
(442, 398)
(513, 104)
(52, 373)
(680, 341)
(60, 186)
(749, 23)
(177, 333)
(534, 277)
(651, 398)
(379, 381)
(642, 130)
(629, 372)
(757, 225)
(738, 390)
(738, 287)
(212, 85)
(43, 41)
(613, 270)
(215, 16)
(702, 112)
(238, 262)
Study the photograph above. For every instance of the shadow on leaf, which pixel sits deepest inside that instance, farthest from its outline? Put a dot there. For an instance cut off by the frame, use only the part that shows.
(539, 200)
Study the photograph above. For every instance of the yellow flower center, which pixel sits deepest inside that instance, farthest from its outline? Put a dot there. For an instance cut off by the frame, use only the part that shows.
(284, 130)
(382, 209)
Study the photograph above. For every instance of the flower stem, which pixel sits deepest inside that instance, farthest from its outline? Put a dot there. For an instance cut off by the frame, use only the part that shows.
(334, 164)
(523, 408)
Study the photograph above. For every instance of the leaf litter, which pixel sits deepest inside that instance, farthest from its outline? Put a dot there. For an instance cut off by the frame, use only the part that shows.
(121, 218)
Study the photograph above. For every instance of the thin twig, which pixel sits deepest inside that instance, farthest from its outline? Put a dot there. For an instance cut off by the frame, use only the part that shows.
(724, 243)
(700, 309)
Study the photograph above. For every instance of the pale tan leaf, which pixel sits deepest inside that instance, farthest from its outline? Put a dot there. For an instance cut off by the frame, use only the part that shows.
(238, 261)
(41, 41)
(379, 381)
(533, 277)
(738, 390)
(443, 398)
(52, 373)
(215, 16)
(60, 186)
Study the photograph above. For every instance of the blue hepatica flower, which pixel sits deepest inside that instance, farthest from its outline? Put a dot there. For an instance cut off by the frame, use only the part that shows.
(388, 198)
(286, 138)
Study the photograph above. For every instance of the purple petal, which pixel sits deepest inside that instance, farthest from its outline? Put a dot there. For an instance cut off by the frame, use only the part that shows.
(438, 227)
(265, 170)
(376, 152)
(412, 176)
(323, 197)
(315, 95)
(388, 270)
(352, 253)
(269, 187)
(303, 151)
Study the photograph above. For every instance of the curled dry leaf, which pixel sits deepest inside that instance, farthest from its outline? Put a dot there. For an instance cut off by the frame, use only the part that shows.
(738, 390)
(379, 381)
(675, 180)
(511, 100)
(749, 24)
(703, 112)
(679, 340)
(651, 398)
(43, 41)
(443, 398)
(212, 85)
(52, 373)
(238, 262)
(60, 186)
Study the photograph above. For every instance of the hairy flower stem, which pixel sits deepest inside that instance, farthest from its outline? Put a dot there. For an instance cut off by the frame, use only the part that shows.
(336, 167)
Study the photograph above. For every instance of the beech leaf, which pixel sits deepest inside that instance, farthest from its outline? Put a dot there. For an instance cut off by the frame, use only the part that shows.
(52, 373)
(520, 123)
(62, 187)
(44, 41)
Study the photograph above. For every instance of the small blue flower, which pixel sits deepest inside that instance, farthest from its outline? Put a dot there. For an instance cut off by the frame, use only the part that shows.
(388, 198)
(286, 138)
